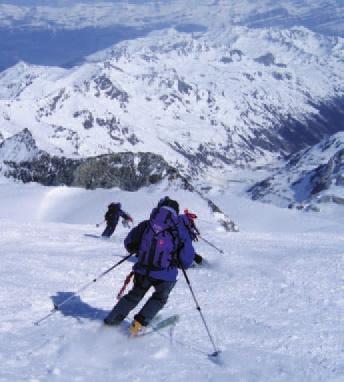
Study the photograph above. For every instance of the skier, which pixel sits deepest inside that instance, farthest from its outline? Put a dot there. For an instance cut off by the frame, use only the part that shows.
(112, 216)
(160, 243)
(188, 219)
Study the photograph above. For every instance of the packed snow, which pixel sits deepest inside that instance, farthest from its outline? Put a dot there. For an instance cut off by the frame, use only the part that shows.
(273, 301)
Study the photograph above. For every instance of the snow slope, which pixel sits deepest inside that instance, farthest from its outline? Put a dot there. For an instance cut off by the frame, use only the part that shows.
(273, 301)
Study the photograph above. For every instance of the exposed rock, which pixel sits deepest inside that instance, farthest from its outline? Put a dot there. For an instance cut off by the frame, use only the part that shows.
(127, 171)
(260, 189)
(267, 59)
(183, 87)
(331, 199)
(227, 223)
(226, 60)
(104, 84)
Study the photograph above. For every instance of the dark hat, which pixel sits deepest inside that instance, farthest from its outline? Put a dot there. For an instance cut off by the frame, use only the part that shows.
(172, 203)
(113, 206)
(162, 201)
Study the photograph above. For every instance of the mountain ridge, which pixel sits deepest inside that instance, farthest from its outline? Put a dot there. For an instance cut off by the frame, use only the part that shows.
(201, 101)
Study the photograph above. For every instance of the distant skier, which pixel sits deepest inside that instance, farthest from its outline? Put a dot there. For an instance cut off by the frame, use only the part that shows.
(188, 219)
(112, 216)
(160, 244)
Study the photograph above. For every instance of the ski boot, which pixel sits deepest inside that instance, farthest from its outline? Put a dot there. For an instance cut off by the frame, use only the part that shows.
(136, 328)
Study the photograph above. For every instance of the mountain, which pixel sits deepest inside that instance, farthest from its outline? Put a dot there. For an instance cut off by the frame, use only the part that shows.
(310, 177)
(203, 101)
(61, 33)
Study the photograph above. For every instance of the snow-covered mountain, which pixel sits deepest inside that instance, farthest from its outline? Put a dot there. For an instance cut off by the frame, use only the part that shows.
(311, 176)
(62, 32)
(203, 101)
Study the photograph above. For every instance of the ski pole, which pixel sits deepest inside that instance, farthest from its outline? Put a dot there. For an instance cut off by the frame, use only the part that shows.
(57, 306)
(211, 244)
(216, 351)
(98, 224)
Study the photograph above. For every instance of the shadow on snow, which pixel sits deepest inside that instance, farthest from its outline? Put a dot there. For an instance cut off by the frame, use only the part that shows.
(77, 308)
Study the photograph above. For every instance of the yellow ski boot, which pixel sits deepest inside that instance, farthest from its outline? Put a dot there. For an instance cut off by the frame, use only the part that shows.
(136, 328)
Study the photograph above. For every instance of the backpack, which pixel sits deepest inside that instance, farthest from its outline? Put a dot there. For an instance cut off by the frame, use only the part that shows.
(160, 240)
(113, 209)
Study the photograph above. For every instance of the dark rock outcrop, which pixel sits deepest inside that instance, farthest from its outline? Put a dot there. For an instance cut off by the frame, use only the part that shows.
(127, 171)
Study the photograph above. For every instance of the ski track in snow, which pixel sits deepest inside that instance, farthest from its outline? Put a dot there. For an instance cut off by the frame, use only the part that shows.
(274, 303)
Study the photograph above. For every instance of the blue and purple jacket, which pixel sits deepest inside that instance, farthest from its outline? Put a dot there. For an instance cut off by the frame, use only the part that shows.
(161, 244)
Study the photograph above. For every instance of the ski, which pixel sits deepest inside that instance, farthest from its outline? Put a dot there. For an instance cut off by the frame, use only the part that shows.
(155, 327)
(92, 235)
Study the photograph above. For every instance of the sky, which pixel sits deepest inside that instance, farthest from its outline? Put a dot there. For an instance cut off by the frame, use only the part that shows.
(65, 2)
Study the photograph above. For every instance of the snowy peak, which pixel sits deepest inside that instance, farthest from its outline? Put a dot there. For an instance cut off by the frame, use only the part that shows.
(23, 77)
(21, 147)
(313, 175)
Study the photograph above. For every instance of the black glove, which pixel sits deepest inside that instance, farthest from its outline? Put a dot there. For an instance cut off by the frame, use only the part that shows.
(198, 258)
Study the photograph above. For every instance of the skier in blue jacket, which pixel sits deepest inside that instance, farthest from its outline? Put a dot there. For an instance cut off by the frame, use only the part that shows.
(161, 244)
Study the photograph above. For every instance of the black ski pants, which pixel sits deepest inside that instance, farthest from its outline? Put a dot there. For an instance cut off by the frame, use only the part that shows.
(128, 302)
(109, 230)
